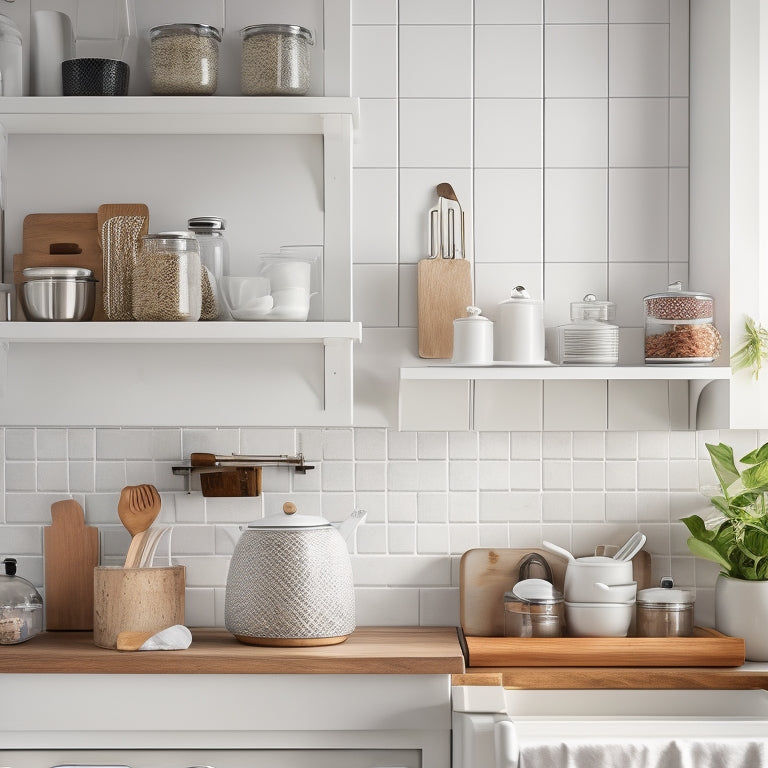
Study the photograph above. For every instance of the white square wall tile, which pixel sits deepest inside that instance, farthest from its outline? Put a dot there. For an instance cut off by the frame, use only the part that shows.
(678, 216)
(504, 12)
(508, 215)
(678, 132)
(575, 214)
(51, 443)
(374, 216)
(20, 443)
(374, 61)
(508, 61)
(508, 133)
(494, 283)
(508, 405)
(639, 133)
(638, 405)
(375, 294)
(435, 11)
(374, 11)
(639, 60)
(575, 11)
(427, 405)
(632, 11)
(568, 282)
(421, 47)
(575, 405)
(421, 145)
(408, 311)
(628, 284)
(679, 47)
(376, 146)
(576, 60)
(575, 133)
(637, 214)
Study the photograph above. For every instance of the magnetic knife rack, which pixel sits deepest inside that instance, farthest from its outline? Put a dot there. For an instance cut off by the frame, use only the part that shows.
(235, 475)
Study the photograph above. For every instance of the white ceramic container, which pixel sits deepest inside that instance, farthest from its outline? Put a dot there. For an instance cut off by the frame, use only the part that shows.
(598, 619)
(472, 339)
(52, 41)
(519, 330)
(584, 573)
(741, 610)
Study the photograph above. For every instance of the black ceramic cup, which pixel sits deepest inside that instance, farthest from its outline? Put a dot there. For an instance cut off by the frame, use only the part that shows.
(94, 77)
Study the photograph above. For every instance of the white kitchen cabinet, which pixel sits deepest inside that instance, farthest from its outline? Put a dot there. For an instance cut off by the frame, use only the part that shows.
(207, 374)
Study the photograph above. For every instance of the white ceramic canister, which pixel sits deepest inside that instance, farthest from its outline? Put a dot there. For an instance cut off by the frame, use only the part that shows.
(519, 336)
(52, 40)
(472, 339)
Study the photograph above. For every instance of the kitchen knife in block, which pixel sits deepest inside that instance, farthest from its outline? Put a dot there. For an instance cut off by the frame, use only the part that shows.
(71, 554)
(444, 293)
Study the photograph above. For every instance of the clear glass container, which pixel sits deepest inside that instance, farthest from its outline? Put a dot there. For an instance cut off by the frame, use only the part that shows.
(590, 339)
(167, 278)
(184, 59)
(275, 60)
(21, 607)
(535, 616)
(679, 327)
(214, 256)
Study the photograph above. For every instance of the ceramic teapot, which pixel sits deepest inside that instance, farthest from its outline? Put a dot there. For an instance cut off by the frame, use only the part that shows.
(290, 581)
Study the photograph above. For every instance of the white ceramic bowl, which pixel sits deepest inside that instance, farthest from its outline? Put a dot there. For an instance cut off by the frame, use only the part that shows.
(247, 298)
(598, 619)
(592, 592)
(583, 573)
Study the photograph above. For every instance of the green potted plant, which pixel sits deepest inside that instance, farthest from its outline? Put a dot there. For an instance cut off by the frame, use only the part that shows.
(736, 538)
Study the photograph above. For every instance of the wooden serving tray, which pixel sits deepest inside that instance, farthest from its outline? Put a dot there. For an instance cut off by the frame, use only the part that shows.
(705, 648)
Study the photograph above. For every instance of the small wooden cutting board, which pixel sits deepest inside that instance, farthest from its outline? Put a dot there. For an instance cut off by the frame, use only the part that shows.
(71, 554)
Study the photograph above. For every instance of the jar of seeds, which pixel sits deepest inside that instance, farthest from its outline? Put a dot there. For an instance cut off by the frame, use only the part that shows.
(184, 59)
(167, 277)
(275, 60)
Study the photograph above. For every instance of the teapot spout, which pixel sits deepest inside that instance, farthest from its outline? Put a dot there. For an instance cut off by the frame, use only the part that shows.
(347, 527)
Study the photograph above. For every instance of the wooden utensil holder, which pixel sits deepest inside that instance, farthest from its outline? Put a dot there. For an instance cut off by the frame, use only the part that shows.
(136, 600)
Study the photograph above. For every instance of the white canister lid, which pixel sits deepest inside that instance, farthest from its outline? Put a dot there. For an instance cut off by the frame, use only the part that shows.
(473, 316)
(666, 596)
(520, 296)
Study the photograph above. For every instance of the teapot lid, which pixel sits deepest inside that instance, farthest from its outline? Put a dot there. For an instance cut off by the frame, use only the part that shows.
(289, 519)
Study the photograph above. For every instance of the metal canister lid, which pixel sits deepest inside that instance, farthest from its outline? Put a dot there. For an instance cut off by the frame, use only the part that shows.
(520, 295)
(207, 224)
(666, 596)
(199, 30)
(535, 591)
(50, 273)
(589, 308)
(277, 29)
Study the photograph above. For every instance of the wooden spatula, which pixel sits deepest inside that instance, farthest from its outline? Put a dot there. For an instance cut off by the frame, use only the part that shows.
(138, 507)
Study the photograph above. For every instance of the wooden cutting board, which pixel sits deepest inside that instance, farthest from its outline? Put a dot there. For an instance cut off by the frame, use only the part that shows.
(71, 554)
(486, 574)
(60, 240)
(444, 293)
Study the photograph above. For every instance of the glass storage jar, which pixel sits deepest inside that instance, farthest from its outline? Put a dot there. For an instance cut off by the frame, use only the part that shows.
(679, 327)
(590, 339)
(275, 60)
(214, 256)
(21, 607)
(167, 277)
(184, 59)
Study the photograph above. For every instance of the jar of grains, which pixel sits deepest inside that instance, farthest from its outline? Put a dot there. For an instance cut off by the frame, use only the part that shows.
(275, 60)
(167, 277)
(679, 327)
(184, 59)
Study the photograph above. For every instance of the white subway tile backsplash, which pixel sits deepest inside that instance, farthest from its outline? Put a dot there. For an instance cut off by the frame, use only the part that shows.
(377, 146)
(370, 444)
(508, 133)
(632, 11)
(338, 476)
(407, 304)
(463, 476)
(504, 12)
(556, 475)
(556, 507)
(432, 475)
(494, 445)
(374, 213)
(371, 539)
(621, 507)
(52, 476)
(402, 507)
(20, 476)
(463, 445)
(493, 475)
(588, 475)
(462, 536)
(422, 146)
(421, 47)
(463, 507)
(566, 282)
(81, 443)
(401, 539)
(403, 476)
(576, 60)
(374, 11)
(387, 607)
(432, 445)
(639, 135)
(439, 607)
(432, 507)
(638, 60)
(620, 475)
(588, 507)
(652, 475)
(508, 61)
(435, 11)
(678, 216)
(679, 47)
(221, 441)
(575, 11)
(19, 444)
(370, 476)
(338, 444)
(374, 61)
(401, 445)
(375, 291)
(52, 444)
(432, 539)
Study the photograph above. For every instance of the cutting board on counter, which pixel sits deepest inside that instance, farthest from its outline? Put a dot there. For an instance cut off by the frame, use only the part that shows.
(60, 240)
(71, 553)
(486, 574)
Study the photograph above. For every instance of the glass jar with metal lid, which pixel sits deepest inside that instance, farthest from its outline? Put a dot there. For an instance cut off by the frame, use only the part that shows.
(184, 59)
(21, 607)
(214, 257)
(591, 339)
(679, 327)
(275, 60)
(166, 278)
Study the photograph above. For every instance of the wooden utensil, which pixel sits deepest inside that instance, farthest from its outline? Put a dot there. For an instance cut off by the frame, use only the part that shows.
(138, 507)
(71, 554)
(444, 278)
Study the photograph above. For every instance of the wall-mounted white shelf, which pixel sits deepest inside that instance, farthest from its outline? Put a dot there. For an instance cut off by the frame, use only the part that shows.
(566, 372)
(59, 115)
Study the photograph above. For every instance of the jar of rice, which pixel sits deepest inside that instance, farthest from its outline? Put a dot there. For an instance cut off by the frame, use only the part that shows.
(275, 60)
(167, 278)
(184, 59)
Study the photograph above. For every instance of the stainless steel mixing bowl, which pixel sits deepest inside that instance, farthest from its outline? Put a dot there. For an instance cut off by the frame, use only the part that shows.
(58, 293)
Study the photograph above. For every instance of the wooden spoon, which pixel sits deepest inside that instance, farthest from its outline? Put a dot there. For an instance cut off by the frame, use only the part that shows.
(138, 507)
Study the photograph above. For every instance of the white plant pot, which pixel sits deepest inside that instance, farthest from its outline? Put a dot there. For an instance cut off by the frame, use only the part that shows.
(741, 610)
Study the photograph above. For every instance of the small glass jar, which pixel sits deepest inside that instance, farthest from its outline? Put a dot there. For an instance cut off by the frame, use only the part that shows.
(540, 613)
(167, 278)
(184, 59)
(275, 60)
(591, 339)
(679, 327)
(214, 256)
(21, 607)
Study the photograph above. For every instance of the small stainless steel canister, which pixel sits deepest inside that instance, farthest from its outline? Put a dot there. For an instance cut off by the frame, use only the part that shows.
(664, 611)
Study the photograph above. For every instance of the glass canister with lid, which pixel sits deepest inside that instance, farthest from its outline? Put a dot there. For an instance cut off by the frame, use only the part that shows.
(21, 607)
(167, 277)
(184, 59)
(214, 257)
(275, 60)
(591, 338)
(679, 327)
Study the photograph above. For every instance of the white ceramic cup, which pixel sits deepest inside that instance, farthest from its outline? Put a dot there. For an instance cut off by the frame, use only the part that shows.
(519, 330)
(583, 574)
(472, 339)
(52, 41)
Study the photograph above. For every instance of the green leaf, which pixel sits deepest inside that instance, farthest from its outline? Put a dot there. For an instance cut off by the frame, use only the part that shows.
(721, 456)
(756, 477)
(755, 457)
(707, 551)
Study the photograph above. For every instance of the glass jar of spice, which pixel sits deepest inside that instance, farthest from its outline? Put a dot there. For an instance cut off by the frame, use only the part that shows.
(167, 278)
(184, 59)
(275, 60)
(679, 327)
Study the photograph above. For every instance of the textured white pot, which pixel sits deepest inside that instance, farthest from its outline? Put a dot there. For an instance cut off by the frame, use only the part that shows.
(741, 610)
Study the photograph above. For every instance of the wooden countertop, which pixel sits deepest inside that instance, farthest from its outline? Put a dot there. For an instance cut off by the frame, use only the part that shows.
(369, 650)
